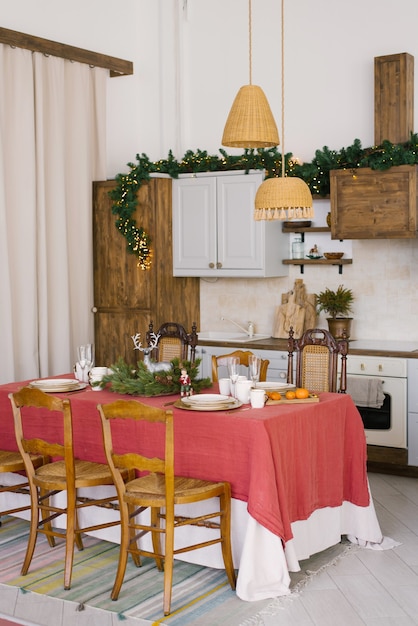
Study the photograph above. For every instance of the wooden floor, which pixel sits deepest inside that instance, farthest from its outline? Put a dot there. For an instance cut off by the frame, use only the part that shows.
(366, 587)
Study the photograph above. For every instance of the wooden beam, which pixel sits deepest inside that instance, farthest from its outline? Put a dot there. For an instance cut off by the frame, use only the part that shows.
(117, 67)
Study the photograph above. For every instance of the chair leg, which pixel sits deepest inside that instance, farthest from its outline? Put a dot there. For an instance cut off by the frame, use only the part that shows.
(225, 505)
(33, 531)
(45, 499)
(168, 565)
(135, 556)
(125, 537)
(69, 542)
(156, 537)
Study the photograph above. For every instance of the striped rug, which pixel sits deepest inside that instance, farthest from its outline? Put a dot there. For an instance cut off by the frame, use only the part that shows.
(201, 595)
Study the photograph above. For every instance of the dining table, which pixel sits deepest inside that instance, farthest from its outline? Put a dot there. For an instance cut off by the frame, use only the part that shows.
(297, 472)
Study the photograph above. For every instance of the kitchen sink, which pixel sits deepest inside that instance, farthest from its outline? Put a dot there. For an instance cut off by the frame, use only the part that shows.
(219, 335)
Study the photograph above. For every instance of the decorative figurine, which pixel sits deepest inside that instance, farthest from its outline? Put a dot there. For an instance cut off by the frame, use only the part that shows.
(185, 383)
(314, 251)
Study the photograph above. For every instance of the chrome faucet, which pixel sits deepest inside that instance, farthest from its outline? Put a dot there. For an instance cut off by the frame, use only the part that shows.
(248, 331)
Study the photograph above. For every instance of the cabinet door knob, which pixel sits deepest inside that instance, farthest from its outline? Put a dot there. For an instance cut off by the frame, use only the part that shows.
(94, 309)
(211, 265)
(218, 265)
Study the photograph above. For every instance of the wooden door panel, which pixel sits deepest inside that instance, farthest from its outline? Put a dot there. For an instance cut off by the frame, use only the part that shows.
(113, 331)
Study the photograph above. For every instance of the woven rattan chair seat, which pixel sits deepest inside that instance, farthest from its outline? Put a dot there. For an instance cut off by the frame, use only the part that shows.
(13, 462)
(86, 474)
(152, 488)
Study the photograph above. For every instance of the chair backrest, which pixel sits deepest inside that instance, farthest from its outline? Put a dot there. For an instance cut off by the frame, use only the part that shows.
(317, 353)
(174, 342)
(162, 463)
(243, 359)
(28, 404)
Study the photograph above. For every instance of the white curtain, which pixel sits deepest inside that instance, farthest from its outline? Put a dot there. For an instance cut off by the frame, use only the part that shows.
(52, 146)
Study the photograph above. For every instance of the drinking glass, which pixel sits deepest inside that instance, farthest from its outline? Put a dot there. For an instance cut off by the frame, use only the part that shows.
(233, 370)
(254, 364)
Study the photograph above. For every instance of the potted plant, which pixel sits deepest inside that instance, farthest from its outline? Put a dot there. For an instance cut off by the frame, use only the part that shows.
(338, 304)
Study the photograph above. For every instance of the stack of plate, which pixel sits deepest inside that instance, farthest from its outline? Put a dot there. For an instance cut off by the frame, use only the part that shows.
(272, 386)
(57, 385)
(209, 402)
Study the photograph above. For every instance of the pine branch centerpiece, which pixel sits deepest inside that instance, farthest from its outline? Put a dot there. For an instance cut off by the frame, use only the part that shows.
(143, 382)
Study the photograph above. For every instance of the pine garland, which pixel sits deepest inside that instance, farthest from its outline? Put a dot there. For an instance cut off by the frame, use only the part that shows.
(315, 174)
(142, 382)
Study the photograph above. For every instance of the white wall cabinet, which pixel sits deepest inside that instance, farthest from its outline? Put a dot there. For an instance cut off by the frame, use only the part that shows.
(214, 231)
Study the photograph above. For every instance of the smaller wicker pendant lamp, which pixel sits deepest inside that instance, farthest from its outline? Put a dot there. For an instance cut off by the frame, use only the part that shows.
(282, 197)
(250, 122)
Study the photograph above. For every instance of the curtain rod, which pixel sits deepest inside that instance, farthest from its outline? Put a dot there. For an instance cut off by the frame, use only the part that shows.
(117, 67)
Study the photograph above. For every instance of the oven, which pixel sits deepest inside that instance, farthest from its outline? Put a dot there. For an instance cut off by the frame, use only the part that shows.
(387, 425)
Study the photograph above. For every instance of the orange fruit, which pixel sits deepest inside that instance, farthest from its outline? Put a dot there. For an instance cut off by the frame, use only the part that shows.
(290, 395)
(275, 395)
(302, 393)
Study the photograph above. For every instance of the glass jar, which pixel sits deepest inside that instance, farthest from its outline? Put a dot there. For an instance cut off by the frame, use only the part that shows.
(297, 248)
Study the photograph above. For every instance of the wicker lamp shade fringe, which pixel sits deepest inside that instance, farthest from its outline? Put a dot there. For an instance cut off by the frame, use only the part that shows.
(250, 123)
(283, 198)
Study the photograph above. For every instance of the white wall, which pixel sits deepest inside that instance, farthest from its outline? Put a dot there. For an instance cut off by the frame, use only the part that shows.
(190, 58)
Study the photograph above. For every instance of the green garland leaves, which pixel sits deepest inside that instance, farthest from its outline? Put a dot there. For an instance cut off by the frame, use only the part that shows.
(142, 382)
(315, 174)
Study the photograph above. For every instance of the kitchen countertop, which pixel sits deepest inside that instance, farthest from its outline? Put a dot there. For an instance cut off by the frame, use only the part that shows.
(370, 347)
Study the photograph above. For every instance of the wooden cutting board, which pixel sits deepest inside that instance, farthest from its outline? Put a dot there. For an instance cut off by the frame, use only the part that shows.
(312, 398)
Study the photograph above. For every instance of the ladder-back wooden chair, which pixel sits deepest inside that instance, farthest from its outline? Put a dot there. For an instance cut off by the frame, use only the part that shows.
(173, 342)
(63, 473)
(159, 490)
(243, 356)
(317, 353)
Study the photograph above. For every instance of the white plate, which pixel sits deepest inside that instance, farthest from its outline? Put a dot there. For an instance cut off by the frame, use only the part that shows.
(54, 382)
(275, 386)
(232, 403)
(206, 398)
(59, 389)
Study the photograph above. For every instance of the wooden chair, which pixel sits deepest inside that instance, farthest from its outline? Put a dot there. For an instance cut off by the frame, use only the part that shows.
(12, 462)
(159, 490)
(317, 354)
(63, 473)
(173, 342)
(243, 359)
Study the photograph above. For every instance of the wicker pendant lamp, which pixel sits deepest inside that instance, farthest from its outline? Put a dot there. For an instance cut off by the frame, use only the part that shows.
(250, 122)
(283, 197)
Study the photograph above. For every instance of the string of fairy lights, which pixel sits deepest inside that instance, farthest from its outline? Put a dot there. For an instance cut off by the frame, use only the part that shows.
(315, 174)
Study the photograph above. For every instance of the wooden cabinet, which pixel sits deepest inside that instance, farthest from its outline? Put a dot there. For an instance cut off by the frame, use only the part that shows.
(369, 204)
(214, 231)
(127, 298)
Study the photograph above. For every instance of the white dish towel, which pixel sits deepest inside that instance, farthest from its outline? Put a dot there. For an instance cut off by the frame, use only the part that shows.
(366, 391)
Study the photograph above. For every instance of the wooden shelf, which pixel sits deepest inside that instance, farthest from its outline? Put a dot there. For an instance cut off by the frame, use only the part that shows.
(308, 229)
(303, 262)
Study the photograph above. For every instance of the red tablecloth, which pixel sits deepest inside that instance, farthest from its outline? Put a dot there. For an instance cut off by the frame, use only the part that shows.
(286, 461)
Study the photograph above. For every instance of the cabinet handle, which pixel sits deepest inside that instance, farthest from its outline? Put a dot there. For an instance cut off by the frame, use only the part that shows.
(380, 368)
(211, 265)
(94, 309)
(362, 367)
(218, 265)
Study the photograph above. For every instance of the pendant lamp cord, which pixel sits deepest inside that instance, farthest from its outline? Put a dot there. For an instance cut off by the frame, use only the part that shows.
(250, 42)
(282, 142)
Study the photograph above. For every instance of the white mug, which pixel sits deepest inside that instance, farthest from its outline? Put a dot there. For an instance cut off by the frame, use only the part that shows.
(224, 386)
(257, 398)
(242, 390)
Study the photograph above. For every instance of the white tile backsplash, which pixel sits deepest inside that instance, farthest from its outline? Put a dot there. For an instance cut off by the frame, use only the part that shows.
(383, 276)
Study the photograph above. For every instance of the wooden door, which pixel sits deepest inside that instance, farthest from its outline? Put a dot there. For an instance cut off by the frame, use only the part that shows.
(127, 298)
